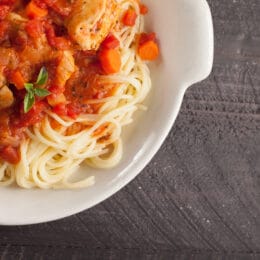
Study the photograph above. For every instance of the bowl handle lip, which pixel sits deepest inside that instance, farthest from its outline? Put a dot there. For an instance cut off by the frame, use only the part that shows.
(210, 49)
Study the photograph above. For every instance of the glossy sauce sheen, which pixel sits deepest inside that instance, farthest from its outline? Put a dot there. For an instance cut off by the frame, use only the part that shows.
(25, 47)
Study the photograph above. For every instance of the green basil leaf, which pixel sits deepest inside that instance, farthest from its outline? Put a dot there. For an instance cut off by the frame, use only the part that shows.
(31, 93)
(28, 102)
(40, 92)
(28, 86)
(42, 77)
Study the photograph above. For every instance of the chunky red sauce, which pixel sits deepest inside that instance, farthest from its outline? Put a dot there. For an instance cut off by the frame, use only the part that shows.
(34, 38)
(28, 43)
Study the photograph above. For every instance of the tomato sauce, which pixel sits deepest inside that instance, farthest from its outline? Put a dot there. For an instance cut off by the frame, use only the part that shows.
(33, 36)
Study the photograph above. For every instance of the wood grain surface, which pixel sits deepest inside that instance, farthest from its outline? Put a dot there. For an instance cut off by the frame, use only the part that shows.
(199, 198)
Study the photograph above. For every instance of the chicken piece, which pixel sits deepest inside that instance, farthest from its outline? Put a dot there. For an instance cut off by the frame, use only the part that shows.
(8, 58)
(16, 18)
(6, 97)
(2, 77)
(65, 68)
(91, 20)
(38, 52)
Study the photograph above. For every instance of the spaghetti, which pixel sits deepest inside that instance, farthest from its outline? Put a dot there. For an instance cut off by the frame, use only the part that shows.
(87, 101)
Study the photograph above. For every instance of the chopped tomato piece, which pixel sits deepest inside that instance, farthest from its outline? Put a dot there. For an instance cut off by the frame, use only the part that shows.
(111, 42)
(7, 2)
(34, 116)
(10, 154)
(20, 41)
(129, 17)
(89, 53)
(41, 4)
(60, 109)
(56, 89)
(50, 33)
(60, 43)
(4, 27)
(62, 7)
(73, 111)
(34, 28)
(145, 37)
(4, 10)
(143, 9)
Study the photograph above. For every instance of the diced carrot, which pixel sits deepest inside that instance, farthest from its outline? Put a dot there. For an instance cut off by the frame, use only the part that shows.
(143, 9)
(34, 11)
(129, 17)
(17, 79)
(110, 60)
(148, 51)
(111, 42)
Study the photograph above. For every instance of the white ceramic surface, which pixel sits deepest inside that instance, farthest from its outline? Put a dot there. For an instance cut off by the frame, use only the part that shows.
(185, 30)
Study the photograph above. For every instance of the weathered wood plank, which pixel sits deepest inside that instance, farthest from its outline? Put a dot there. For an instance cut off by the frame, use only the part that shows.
(51, 253)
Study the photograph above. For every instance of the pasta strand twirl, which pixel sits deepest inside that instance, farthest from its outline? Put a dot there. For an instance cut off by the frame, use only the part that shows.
(56, 147)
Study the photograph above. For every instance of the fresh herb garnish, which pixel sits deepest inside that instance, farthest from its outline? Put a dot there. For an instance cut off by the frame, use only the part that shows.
(33, 90)
(42, 77)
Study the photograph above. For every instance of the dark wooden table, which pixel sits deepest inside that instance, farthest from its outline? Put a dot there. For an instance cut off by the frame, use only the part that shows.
(199, 198)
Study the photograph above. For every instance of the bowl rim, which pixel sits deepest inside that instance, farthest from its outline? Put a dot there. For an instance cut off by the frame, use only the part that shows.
(137, 166)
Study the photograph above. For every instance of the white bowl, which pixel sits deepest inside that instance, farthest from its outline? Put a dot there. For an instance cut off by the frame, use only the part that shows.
(185, 30)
